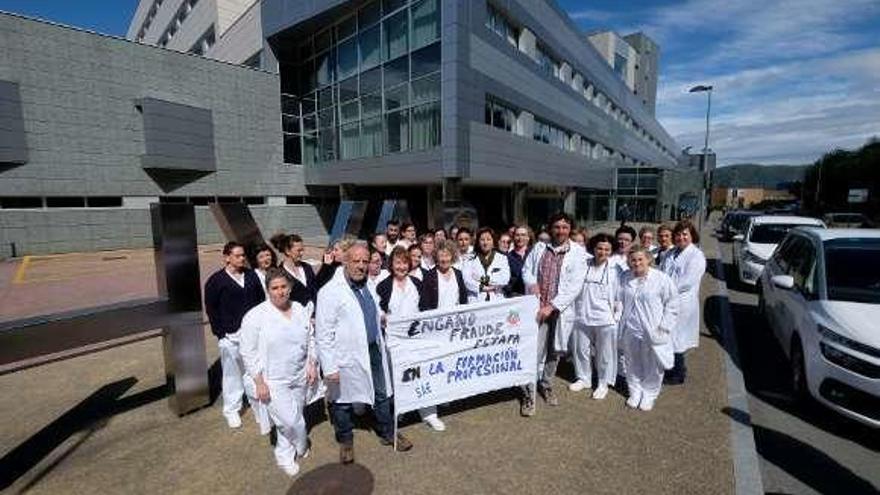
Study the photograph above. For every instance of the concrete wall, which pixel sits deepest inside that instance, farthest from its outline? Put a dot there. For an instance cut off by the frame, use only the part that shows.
(242, 39)
(85, 136)
(37, 232)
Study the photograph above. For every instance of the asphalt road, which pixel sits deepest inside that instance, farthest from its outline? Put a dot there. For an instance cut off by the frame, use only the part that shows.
(802, 448)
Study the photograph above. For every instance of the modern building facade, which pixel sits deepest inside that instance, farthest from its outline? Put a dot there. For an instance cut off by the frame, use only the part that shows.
(95, 128)
(501, 105)
(502, 108)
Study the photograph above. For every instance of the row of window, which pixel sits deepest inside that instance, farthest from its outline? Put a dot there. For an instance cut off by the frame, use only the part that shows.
(182, 13)
(501, 25)
(38, 202)
(368, 85)
(205, 43)
(505, 117)
(30, 202)
(362, 42)
(151, 14)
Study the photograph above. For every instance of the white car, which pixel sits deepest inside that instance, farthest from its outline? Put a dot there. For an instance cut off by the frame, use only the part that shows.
(820, 293)
(753, 248)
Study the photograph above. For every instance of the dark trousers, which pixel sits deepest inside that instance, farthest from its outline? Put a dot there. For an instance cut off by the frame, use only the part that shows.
(342, 414)
(679, 370)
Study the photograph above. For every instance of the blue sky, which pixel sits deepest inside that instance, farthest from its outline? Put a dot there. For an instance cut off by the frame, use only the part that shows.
(793, 78)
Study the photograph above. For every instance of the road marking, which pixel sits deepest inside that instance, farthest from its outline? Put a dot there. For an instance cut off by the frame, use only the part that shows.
(19, 274)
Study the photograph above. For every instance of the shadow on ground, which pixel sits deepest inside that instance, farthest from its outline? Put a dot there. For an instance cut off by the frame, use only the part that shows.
(89, 416)
(802, 461)
(333, 479)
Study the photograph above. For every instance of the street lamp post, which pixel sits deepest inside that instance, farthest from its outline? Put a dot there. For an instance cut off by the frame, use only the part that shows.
(708, 90)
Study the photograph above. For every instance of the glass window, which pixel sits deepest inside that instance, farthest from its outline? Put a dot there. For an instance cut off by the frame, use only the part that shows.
(325, 118)
(371, 137)
(309, 149)
(425, 23)
(323, 40)
(371, 104)
(327, 145)
(369, 14)
(369, 47)
(390, 6)
(350, 111)
(347, 58)
(397, 97)
(292, 149)
(620, 64)
(426, 60)
(426, 126)
(371, 80)
(349, 141)
(290, 123)
(310, 122)
(397, 131)
(395, 41)
(346, 28)
(852, 270)
(396, 72)
(348, 89)
(325, 67)
(426, 89)
(326, 98)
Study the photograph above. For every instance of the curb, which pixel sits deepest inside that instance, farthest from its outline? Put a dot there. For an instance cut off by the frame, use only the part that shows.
(746, 467)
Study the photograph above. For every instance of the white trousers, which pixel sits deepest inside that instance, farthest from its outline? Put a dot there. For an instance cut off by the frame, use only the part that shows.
(604, 340)
(236, 383)
(285, 408)
(644, 373)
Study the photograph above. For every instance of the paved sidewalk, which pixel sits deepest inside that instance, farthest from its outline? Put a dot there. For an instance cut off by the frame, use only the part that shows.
(99, 424)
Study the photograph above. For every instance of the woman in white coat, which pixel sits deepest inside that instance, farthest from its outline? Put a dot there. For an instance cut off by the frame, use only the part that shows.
(486, 274)
(598, 314)
(555, 273)
(277, 348)
(650, 308)
(399, 295)
(685, 264)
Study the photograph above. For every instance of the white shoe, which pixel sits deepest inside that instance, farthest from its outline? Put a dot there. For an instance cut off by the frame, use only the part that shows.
(578, 386)
(291, 469)
(600, 392)
(435, 423)
(233, 420)
(305, 454)
(646, 404)
(634, 399)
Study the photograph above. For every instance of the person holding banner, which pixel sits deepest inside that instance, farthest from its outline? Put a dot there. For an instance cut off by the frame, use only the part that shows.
(443, 286)
(351, 351)
(598, 315)
(554, 272)
(399, 295)
(277, 348)
(650, 309)
(488, 272)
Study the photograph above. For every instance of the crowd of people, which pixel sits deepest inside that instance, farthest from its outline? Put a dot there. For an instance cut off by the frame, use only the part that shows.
(620, 306)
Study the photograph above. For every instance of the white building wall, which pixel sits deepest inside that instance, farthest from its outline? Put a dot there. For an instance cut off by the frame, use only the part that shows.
(241, 40)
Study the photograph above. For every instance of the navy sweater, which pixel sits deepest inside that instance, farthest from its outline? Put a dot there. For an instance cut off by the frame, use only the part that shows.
(226, 302)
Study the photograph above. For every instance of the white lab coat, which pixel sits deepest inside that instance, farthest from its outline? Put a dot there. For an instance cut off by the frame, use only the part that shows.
(571, 282)
(650, 311)
(598, 303)
(372, 283)
(341, 343)
(621, 262)
(498, 272)
(686, 271)
(279, 349)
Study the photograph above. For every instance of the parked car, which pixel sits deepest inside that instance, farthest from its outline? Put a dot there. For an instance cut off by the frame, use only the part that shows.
(753, 248)
(734, 222)
(846, 220)
(820, 293)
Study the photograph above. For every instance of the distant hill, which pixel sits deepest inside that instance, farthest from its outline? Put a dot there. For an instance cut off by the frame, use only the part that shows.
(750, 175)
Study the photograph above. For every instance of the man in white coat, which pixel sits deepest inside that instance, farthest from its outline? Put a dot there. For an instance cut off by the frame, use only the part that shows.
(352, 353)
(685, 265)
(555, 273)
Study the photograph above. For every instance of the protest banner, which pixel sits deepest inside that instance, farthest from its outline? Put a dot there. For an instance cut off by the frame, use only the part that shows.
(443, 355)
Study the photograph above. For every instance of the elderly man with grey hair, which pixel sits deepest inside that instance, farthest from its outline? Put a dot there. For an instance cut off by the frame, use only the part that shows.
(352, 352)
